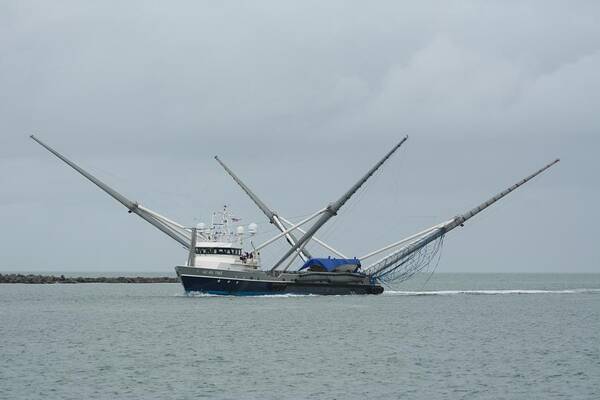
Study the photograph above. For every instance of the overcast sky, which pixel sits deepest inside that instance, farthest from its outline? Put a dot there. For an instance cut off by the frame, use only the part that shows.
(300, 99)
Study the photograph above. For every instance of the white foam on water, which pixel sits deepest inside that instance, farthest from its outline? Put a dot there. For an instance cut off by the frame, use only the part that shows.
(284, 295)
(266, 296)
(487, 292)
(195, 294)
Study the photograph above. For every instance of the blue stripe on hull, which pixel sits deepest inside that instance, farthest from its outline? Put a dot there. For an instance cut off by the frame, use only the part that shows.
(257, 288)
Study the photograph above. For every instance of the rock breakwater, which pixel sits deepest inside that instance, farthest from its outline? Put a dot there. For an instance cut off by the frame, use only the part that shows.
(44, 279)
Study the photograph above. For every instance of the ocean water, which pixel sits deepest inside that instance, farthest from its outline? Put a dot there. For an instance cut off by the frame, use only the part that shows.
(448, 336)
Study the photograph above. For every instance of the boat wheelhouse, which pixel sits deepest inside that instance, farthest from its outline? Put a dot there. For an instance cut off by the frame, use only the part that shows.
(221, 246)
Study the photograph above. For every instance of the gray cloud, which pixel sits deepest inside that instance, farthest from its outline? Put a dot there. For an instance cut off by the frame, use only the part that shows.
(300, 99)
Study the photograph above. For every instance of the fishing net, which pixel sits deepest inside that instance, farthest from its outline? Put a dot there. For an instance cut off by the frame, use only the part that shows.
(412, 259)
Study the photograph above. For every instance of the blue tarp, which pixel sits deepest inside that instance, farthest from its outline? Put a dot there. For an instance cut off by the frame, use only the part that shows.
(329, 264)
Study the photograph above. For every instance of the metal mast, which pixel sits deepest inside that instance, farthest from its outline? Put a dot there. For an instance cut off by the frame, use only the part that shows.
(174, 230)
(334, 207)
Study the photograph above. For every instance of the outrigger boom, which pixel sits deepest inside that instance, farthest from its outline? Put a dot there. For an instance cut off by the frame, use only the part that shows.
(332, 209)
(271, 215)
(279, 221)
(382, 269)
(171, 228)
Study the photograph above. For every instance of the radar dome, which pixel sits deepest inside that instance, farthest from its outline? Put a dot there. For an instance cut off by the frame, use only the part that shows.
(201, 226)
(240, 230)
(252, 228)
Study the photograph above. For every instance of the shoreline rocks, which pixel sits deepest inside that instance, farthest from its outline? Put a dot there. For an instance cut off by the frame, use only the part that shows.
(45, 279)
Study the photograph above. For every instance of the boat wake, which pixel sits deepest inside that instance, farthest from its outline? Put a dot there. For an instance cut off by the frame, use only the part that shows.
(488, 292)
(416, 293)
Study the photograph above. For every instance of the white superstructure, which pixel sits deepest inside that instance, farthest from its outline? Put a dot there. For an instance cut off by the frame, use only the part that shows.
(221, 245)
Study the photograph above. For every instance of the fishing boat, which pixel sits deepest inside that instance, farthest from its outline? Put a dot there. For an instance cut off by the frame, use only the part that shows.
(222, 258)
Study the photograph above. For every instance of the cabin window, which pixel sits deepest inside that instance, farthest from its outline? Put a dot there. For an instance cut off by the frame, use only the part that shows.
(218, 250)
